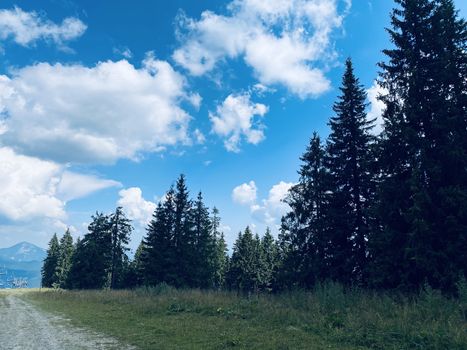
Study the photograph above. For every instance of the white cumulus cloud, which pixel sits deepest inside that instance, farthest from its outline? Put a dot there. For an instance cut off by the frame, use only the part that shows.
(269, 210)
(135, 206)
(285, 42)
(34, 188)
(235, 119)
(245, 194)
(26, 28)
(73, 113)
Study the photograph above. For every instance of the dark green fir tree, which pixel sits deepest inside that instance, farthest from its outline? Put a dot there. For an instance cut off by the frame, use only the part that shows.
(302, 240)
(120, 231)
(245, 265)
(422, 192)
(160, 256)
(350, 182)
(64, 262)
(221, 259)
(49, 277)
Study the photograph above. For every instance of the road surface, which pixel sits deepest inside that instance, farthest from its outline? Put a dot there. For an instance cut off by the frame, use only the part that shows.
(24, 327)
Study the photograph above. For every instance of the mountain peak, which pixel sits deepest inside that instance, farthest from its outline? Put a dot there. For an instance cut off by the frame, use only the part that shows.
(22, 252)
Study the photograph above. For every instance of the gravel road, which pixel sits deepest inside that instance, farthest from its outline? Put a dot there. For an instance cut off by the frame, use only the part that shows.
(24, 327)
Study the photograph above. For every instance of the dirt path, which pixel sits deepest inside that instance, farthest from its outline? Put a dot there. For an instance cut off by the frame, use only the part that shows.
(24, 327)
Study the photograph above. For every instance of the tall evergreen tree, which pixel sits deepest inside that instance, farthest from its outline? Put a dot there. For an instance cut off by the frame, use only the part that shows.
(159, 257)
(184, 235)
(92, 259)
(269, 256)
(49, 277)
(64, 260)
(446, 154)
(120, 231)
(221, 259)
(75, 277)
(422, 193)
(205, 248)
(303, 232)
(349, 163)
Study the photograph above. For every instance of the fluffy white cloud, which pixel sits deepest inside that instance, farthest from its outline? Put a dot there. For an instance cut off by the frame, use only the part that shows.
(235, 119)
(135, 206)
(25, 28)
(72, 113)
(245, 194)
(269, 210)
(273, 208)
(284, 41)
(376, 107)
(34, 188)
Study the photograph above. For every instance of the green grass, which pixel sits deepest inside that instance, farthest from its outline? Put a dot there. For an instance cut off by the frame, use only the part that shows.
(327, 318)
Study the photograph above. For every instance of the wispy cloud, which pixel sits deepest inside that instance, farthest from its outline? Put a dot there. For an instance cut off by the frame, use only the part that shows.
(26, 28)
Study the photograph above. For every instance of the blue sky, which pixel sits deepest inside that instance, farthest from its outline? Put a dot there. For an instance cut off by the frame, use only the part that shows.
(105, 103)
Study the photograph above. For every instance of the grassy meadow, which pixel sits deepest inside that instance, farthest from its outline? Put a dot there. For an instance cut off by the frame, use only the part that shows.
(326, 318)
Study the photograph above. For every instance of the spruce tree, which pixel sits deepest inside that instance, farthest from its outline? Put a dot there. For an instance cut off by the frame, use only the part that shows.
(349, 163)
(269, 256)
(422, 192)
(184, 236)
(205, 248)
(303, 239)
(245, 265)
(92, 259)
(159, 257)
(221, 259)
(446, 155)
(49, 277)
(120, 231)
(77, 274)
(64, 261)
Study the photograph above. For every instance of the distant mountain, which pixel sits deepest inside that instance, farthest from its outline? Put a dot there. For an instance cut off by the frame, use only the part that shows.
(23, 252)
(22, 260)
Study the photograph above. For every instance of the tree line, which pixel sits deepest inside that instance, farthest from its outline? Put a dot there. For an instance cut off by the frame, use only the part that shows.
(385, 211)
(183, 247)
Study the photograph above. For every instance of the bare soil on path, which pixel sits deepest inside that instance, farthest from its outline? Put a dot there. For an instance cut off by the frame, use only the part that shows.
(24, 327)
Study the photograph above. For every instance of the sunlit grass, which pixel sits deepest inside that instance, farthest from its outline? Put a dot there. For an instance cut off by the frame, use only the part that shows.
(327, 318)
